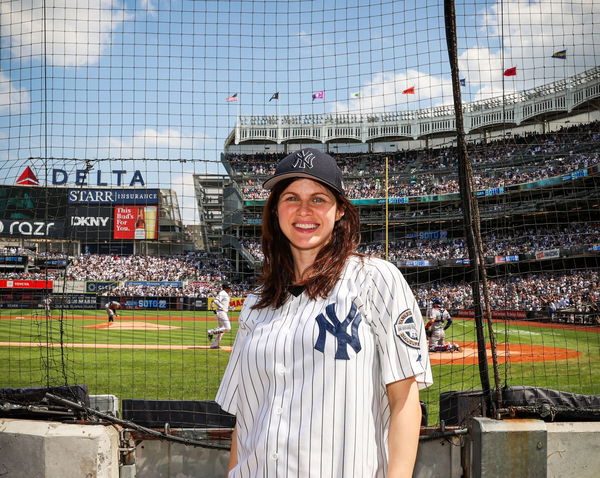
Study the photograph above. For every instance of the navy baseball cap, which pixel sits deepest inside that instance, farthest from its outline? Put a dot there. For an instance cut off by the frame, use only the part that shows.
(308, 163)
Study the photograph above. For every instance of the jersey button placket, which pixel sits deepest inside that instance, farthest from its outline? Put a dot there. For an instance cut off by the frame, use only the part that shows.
(281, 376)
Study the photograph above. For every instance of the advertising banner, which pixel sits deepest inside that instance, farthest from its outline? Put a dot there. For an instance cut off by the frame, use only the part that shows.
(94, 287)
(147, 303)
(125, 197)
(235, 303)
(503, 259)
(32, 203)
(75, 301)
(415, 263)
(90, 222)
(25, 284)
(13, 260)
(547, 254)
(427, 235)
(496, 314)
(133, 222)
(32, 229)
(148, 283)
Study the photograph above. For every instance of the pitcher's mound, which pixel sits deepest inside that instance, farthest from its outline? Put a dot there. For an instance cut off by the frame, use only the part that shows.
(133, 325)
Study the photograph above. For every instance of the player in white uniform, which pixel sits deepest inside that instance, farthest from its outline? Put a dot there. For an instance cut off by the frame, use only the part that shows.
(439, 321)
(331, 350)
(47, 301)
(111, 310)
(221, 306)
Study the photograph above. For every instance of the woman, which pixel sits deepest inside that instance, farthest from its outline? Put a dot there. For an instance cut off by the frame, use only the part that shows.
(331, 351)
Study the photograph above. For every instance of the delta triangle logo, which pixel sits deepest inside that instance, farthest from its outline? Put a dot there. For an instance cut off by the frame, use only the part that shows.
(28, 178)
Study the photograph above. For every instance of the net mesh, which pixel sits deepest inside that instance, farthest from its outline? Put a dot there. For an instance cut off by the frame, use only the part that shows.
(135, 137)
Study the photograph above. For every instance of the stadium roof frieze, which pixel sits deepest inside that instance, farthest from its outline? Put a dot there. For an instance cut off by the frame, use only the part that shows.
(560, 97)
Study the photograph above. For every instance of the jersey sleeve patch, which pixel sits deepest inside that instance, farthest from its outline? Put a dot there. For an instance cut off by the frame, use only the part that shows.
(406, 329)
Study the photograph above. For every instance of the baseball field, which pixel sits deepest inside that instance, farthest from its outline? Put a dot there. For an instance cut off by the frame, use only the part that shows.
(165, 355)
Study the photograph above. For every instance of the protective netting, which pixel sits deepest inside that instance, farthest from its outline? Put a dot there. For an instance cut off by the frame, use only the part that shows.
(135, 138)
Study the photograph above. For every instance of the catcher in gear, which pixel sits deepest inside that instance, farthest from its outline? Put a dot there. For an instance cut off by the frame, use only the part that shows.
(439, 321)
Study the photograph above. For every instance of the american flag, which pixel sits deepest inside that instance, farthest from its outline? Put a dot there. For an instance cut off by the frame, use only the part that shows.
(318, 95)
(231, 98)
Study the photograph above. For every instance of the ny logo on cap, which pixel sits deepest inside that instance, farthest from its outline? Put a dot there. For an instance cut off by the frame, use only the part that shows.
(304, 160)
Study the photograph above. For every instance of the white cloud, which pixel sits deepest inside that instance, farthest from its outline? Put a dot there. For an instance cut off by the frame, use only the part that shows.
(384, 92)
(148, 5)
(147, 143)
(77, 31)
(12, 98)
(533, 31)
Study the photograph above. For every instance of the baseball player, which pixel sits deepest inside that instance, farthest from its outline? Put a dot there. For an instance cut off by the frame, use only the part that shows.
(221, 307)
(47, 301)
(331, 350)
(439, 321)
(111, 310)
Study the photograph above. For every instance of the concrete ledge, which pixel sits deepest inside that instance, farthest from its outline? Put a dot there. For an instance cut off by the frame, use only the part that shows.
(508, 448)
(573, 449)
(48, 449)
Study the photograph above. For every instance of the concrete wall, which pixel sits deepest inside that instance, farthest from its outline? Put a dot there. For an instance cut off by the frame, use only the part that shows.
(532, 449)
(32, 448)
(507, 448)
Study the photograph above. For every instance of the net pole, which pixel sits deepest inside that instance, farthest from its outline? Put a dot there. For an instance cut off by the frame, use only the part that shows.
(471, 221)
(387, 208)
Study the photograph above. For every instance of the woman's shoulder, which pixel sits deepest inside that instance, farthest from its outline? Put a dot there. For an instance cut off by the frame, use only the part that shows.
(370, 263)
(373, 266)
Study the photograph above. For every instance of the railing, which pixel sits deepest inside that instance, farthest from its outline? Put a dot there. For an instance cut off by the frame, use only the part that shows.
(514, 108)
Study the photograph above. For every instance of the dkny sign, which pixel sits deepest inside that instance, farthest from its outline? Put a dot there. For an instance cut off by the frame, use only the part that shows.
(89, 221)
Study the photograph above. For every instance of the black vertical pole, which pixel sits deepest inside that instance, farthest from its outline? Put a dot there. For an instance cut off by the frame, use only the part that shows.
(469, 206)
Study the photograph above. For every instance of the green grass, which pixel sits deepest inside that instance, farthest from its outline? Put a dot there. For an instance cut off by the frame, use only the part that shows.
(195, 373)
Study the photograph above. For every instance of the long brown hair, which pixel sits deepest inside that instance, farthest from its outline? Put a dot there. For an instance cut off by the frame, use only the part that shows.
(278, 264)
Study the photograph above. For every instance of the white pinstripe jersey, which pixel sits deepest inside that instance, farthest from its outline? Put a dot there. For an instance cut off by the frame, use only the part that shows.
(307, 381)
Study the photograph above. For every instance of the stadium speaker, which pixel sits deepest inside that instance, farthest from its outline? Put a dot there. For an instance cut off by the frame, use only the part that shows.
(457, 407)
(177, 413)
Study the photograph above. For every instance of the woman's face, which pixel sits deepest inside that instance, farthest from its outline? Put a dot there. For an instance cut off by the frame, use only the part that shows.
(307, 212)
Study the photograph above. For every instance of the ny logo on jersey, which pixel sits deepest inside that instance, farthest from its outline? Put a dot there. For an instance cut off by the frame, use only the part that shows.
(338, 329)
(304, 160)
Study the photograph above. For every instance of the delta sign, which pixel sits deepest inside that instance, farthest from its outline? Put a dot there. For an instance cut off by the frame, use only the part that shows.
(84, 177)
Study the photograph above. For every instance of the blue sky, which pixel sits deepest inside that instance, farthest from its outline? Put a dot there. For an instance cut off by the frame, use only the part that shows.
(148, 79)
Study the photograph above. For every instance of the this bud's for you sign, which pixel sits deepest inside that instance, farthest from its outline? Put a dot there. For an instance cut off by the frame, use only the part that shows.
(135, 222)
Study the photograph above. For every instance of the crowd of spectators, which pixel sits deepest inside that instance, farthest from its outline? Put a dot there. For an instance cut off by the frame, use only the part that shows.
(429, 172)
(507, 243)
(201, 275)
(577, 291)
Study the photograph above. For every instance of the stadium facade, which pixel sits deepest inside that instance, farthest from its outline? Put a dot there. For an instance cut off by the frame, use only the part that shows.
(539, 185)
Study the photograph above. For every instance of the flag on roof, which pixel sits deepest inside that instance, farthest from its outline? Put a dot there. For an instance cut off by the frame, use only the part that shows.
(356, 94)
(511, 71)
(275, 96)
(562, 54)
(463, 82)
(28, 178)
(409, 91)
(318, 95)
(231, 98)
